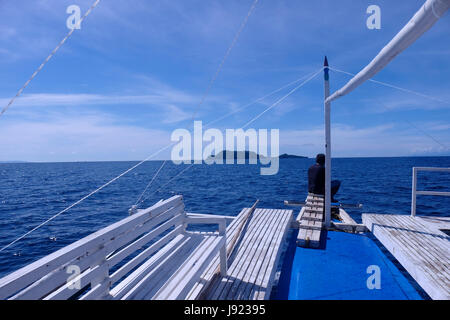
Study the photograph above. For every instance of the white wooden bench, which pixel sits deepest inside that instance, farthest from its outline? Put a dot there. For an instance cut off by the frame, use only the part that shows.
(254, 260)
(310, 221)
(149, 255)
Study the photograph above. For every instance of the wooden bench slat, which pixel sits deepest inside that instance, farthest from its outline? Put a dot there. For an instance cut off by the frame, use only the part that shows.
(263, 284)
(122, 271)
(423, 251)
(250, 266)
(14, 282)
(210, 272)
(84, 279)
(310, 223)
(256, 260)
(177, 287)
(248, 238)
(262, 253)
(139, 243)
(155, 280)
(129, 286)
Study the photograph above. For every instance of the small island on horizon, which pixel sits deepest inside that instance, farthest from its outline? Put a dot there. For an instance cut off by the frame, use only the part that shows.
(247, 154)
(291, 156)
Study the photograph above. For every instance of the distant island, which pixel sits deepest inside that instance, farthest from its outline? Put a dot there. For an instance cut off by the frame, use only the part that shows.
(246, 155)
(291, 156)
(236, 155)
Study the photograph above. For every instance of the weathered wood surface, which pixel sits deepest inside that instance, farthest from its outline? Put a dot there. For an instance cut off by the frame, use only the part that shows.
(149, 248)
(419, 245)
(253, 263)
(310, 222)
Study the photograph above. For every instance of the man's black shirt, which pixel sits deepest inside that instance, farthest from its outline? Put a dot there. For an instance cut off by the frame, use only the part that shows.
(316, 179)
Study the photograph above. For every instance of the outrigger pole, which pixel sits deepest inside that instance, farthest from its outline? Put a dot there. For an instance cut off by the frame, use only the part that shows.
(424, 19)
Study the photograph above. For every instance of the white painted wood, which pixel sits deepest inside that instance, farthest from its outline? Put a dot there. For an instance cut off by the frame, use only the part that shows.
(122, 271)
(346, 218)
(265, 260)
(349, 227)
(173, 267)
(181, 281)
(253, 261)
(25, 276)
(162, 267)
(209, 274)
(256, 235)
(265, 286)
(433, 193)
(310, 224)
(59, 276)
(262, 253)
(99, 272)
(128, 286)
(139, 243)
(414, 191)
(256, 256)
(420, 247)
(212, 219)
(254, 228)
(300, 214)
(144, 280)
(227, 218)
(98, 292)
(85, 278)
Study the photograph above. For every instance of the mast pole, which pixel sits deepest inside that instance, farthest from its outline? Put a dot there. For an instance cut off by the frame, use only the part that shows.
(327, 106)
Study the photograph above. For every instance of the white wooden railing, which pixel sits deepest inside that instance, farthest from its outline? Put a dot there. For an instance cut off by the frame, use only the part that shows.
(415, 192)
(102, 259)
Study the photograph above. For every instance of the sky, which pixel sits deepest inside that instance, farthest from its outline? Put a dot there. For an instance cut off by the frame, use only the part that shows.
(137, 70)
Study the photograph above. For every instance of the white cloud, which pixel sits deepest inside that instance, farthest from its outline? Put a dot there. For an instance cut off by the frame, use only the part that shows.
(79, 99)
(348, 141)
(86, 137)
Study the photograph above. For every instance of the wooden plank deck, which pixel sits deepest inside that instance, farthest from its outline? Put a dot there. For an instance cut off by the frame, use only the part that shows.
(253, 262)
(310, 222)
(419, 245)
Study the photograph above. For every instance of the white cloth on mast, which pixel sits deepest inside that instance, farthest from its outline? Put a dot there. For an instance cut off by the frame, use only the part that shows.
(423, 20)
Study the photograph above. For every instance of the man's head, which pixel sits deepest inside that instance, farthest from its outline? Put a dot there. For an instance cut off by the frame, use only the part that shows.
(320, 159)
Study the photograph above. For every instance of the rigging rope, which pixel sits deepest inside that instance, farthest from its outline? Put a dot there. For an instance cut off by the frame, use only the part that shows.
(141, 162)
(394, 87)
(311, 77)
(407, 91)
(213, 80)
(428, 135)
(47, 60)
(114, 179)
(227, 53)
(257, 100)
(150, 183)
(84, 198)
(283, 98)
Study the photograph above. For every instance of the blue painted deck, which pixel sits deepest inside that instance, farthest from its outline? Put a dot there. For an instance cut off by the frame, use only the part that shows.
(339, 272)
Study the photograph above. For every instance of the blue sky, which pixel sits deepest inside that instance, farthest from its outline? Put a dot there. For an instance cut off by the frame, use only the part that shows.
(138, 69)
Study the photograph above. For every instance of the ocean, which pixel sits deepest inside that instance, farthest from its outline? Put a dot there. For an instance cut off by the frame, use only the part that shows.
(30, 193)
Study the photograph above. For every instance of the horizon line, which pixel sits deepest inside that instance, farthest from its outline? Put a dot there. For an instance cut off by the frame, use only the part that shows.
(159, 160)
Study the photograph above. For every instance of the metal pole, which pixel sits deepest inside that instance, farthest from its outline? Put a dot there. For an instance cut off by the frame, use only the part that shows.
(414, 188)
(327, 147)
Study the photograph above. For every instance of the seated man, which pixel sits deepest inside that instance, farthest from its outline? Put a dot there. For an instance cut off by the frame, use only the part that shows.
(316, 178)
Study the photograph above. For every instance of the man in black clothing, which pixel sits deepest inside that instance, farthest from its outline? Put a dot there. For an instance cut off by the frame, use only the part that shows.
(316, 178)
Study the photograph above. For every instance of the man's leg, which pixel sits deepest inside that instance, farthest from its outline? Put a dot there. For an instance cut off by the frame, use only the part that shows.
(335, 184)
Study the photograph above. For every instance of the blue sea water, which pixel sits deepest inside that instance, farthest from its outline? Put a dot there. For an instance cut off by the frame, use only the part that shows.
(30, 193)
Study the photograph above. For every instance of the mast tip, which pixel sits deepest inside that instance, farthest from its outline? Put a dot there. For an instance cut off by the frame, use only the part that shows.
(325, 63)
